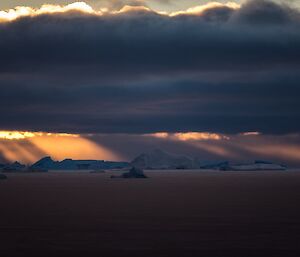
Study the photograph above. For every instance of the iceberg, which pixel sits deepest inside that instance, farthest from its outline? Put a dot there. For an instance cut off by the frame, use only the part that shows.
(47, 163)
(158, 159)
(256, 166)
(13, 167)
(133, 173)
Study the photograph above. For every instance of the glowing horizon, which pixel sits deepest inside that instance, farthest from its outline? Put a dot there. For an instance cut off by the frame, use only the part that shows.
(28, 147)
(18, 135)
(190, 136)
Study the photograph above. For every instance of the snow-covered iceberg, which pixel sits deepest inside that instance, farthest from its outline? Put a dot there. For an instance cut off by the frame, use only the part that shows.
(13, 167)
(158, 159)
(47, 163)
(256, 166)
(132, 173)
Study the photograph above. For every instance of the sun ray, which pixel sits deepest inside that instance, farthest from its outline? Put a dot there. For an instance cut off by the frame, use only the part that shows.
(22, 145)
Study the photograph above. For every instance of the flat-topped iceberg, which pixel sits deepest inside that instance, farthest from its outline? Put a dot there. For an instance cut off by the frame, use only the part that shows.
(158, 159)
(256, 166)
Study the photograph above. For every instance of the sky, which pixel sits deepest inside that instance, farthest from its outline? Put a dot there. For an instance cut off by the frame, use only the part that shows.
(111, 79)
(157, 5)
(163, 5)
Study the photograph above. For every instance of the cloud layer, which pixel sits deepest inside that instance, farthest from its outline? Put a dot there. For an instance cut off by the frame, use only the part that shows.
(220, 68)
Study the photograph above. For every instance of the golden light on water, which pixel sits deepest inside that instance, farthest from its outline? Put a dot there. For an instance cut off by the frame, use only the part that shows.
(27, 147)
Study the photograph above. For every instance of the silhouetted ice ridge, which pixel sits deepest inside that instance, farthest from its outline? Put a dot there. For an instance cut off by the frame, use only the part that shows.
(69, 164)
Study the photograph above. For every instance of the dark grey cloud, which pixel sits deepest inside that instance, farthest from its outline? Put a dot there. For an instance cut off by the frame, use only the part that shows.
(225, 71)
(266, 12)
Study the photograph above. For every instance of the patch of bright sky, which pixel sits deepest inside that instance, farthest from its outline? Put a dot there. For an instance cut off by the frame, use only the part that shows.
(177, 5)
(159, 5)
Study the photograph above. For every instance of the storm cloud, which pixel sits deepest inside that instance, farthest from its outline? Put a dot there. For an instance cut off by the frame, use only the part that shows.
(225, 70)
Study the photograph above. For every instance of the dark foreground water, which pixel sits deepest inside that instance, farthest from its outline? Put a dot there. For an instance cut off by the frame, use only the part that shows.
(169, 214)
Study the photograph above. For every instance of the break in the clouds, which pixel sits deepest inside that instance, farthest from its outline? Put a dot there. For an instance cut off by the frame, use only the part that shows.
(222, 68)
(29, 147)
